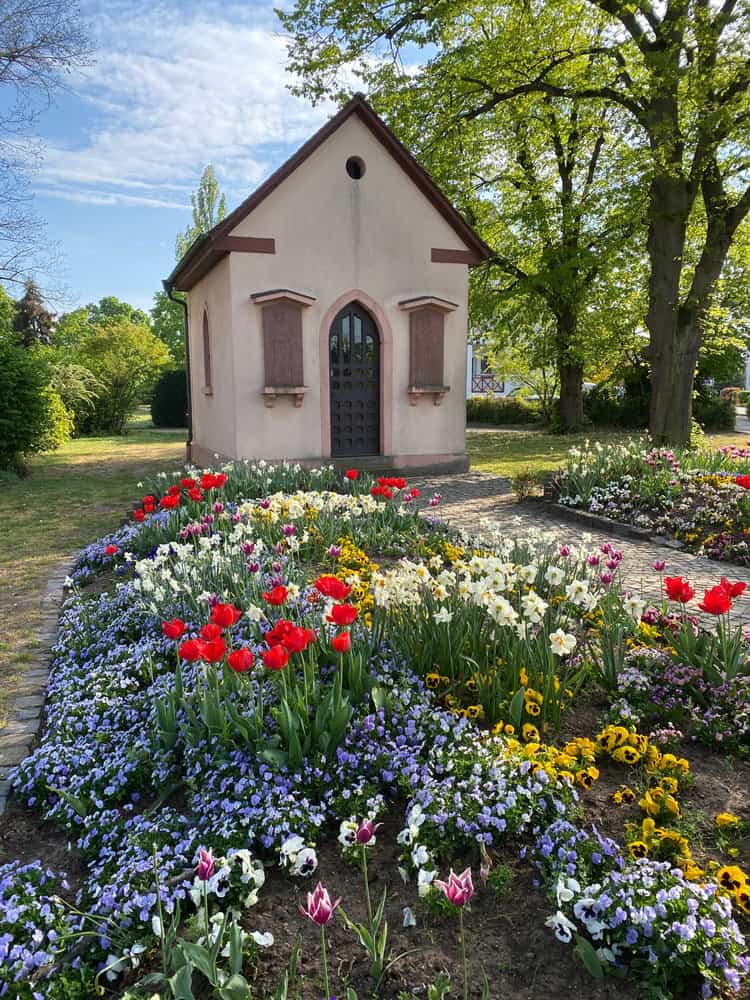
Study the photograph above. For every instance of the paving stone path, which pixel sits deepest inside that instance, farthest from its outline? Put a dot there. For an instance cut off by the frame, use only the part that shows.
(25, 712)
(469, 499)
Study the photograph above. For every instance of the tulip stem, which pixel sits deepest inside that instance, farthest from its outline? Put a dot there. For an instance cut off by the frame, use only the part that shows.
(205, 916)
(367, 887)
(463, 952)
(325, 961)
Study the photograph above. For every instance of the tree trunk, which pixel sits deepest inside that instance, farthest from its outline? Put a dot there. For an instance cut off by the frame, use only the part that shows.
(672, 365)
(570, 369)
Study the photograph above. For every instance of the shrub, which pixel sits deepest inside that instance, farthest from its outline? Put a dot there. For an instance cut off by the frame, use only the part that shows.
(26, 417)
(61, 422)
(125, 358)
(606, 407)
(490, 410)
(528, 483)
(169, 399)
(714, 413)
(743, 397)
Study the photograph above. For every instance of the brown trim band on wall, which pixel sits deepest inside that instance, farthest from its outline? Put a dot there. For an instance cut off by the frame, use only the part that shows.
(246, 244)
(440, 256)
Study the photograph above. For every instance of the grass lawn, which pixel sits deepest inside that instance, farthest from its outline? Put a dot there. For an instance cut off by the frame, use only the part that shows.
(70, 498)
(508, 452)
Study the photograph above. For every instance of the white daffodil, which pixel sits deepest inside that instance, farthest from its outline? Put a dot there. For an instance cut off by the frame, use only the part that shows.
(562, 643)
(634, 606)
(442, 617)
(554, 576)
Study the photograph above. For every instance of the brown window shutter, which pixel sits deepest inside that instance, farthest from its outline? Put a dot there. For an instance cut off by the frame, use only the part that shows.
(207, 376)
(282, 343)
(426, 349)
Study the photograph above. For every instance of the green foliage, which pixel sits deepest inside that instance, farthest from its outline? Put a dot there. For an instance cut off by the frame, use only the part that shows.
(209, 207)
(32, 321)
(61, 424)
(169, 401)
(714, 413)
(125, 358)
(7, 312)
(72, 328)
(110, 309)
(26, 418)
(488, 410)
(168, 324)
(527, 483)
(75, 385)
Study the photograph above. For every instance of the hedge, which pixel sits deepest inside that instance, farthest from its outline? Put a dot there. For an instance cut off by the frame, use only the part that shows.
(493, 410)
(169, 400)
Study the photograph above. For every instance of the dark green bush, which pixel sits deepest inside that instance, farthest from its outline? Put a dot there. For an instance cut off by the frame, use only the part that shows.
(605, 407)
(713, 413)
(743, 397)
(26, 417)
(491, 410)
(169, 400)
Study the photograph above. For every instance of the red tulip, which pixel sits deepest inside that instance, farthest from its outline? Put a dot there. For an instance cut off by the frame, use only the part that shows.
(276, 596)
(743, 481)
(169, 502)
(195, 494)
(275, 658)
(279, 632)
(149, 501)
(208, 481)
(139, 515)
(678, 589)
(211, 632)
(343, 614)
(733, 589)
(214, 650)
(351, 474)
(319, 907)
(174, 629)
(298, 639)
(331, 586)
(342, 642)
(173, 491)
(225, 615)
(219, 480)
(110, 550)
(191, 650)
(716, 601)
(187, 484)
(240, 660)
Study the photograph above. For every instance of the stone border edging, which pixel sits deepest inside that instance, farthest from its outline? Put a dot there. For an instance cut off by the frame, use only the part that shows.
(604, 524)
(27, 703)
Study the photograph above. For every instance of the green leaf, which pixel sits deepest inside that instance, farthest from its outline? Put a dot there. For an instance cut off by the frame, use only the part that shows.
(77, 804)
(516, 709)
(181, 983)
(586, 952)
(235, 988)
(197, 956)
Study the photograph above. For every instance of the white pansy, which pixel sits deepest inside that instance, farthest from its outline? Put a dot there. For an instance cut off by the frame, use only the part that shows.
(263, 940)
(420, 855)
(409, 919)
(563, 928)
(425, 878)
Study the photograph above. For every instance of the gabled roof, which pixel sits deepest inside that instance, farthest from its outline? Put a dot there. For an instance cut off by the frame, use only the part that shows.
(209, 248)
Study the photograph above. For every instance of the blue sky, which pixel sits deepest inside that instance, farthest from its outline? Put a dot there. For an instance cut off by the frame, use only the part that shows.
(173, 85)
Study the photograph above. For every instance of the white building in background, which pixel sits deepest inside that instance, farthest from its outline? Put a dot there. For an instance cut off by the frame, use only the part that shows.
(481, 380)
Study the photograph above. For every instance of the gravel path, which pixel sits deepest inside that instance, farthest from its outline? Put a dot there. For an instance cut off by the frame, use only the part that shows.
(468, 499)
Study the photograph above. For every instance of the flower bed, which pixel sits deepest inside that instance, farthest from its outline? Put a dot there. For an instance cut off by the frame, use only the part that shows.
(277, 671)
(699, 498)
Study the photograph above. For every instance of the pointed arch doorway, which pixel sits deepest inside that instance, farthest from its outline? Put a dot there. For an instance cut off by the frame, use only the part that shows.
(354, 382)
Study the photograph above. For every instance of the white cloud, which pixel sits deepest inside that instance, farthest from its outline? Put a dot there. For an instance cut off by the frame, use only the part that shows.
(175, 87)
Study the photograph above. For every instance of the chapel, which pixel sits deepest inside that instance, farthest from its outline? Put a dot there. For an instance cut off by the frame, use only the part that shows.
(327, 314)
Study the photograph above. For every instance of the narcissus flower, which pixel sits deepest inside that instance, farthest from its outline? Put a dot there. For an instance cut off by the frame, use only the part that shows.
(241, 660)
(275, 658)
(174, 629)
(459, 889)
(319, 907)
(562, 643)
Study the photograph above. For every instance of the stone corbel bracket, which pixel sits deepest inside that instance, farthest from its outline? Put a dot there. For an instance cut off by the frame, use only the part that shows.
(271, 392)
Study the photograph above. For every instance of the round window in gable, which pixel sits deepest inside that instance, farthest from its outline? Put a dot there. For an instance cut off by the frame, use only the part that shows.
(355, 167)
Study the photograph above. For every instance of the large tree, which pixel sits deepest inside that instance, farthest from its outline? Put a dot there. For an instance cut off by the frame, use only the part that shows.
(209, 207)
(678, 69)
(40, 42)
(33, 322)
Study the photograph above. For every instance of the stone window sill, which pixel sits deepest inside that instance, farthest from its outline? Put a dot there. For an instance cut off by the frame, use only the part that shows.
(436, 391)
(207, 390)
(271, 392)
